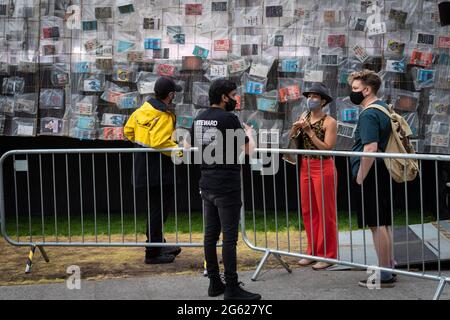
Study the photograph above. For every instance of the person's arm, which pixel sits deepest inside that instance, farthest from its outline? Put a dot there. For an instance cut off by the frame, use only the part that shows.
(161, 136)
(369, 132)
(366, 162)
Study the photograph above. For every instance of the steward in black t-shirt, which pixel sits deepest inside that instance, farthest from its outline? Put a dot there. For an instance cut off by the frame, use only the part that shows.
(219, 135)
(220, 138)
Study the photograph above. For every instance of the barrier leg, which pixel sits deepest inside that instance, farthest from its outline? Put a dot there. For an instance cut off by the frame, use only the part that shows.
(261, 264)
(283, 263)
(263, 261)
(439, 289)
(30, 259)
(31, 255)
(44, 254)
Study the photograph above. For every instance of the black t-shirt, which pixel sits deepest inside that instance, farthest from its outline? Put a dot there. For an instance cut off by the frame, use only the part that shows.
(219, 136)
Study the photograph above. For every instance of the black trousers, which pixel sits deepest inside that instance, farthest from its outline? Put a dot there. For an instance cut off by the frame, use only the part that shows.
(158, 214)
(222, 213)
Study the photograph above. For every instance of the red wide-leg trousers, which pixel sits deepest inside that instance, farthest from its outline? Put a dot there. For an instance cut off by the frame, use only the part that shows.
(318, 185)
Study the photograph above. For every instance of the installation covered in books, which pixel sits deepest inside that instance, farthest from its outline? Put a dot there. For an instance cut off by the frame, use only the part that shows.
(79, 68)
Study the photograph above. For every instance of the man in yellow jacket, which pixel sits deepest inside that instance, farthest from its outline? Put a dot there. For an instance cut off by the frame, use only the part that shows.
(152, 126)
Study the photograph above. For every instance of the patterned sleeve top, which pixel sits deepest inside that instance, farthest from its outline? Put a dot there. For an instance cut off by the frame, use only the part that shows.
(319, 130)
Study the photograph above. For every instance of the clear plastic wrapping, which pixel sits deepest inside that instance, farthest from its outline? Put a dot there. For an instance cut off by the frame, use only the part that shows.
(7, 105)
(347, 112)
(200, 97)
(113, 92)
(289, 90)
(51, 126)
(129, 101)
(254, 85)
(24, 127)
(437, 133)
(113, 120)
(403, 100)
(13, 85)
(146, 82)
(268, 102)
(2, 124)
(124, 73)
(85, 105)
(111, 134)
(92, 83)
(423, 78)
(185, 116)
(60, 75)
(25, 103)
(439, 102)
(51, 99)
(102, 58)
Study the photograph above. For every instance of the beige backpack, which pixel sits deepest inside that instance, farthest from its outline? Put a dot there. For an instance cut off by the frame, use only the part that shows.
(401, 170)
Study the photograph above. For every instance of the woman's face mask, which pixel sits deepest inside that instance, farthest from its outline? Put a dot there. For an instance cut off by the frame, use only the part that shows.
(313, 104)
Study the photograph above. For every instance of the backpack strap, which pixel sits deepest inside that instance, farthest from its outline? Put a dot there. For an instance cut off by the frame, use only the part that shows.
(379, 108)
(382, 109)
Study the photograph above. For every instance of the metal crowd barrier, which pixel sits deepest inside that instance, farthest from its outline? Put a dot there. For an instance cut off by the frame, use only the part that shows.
(283, 234)
(67, 201)
(57, 202)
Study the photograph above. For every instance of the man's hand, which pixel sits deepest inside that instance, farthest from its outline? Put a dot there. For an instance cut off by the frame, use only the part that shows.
(186, 144)
(248, 129)
(249, 148)
(366, 162)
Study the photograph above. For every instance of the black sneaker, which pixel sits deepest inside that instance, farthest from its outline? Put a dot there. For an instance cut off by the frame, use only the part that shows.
(216, 286)
(235, 292)
(171, 250)
(394, 275)
(160, 259)
(390, 283)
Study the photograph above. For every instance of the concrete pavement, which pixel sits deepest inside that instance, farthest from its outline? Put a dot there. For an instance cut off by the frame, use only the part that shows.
(274, 284)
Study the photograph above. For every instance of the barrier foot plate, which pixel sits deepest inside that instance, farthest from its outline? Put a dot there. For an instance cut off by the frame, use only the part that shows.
(439, 289)
(260, 265)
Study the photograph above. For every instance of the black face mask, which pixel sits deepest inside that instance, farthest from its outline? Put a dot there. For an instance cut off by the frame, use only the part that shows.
(171, 100)
(231, 104)
(357, 97)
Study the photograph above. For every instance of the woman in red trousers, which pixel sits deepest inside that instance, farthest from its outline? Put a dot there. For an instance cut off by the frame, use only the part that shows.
(318, 178)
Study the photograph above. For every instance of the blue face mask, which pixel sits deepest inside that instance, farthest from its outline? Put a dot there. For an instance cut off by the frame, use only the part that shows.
(313, 104)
